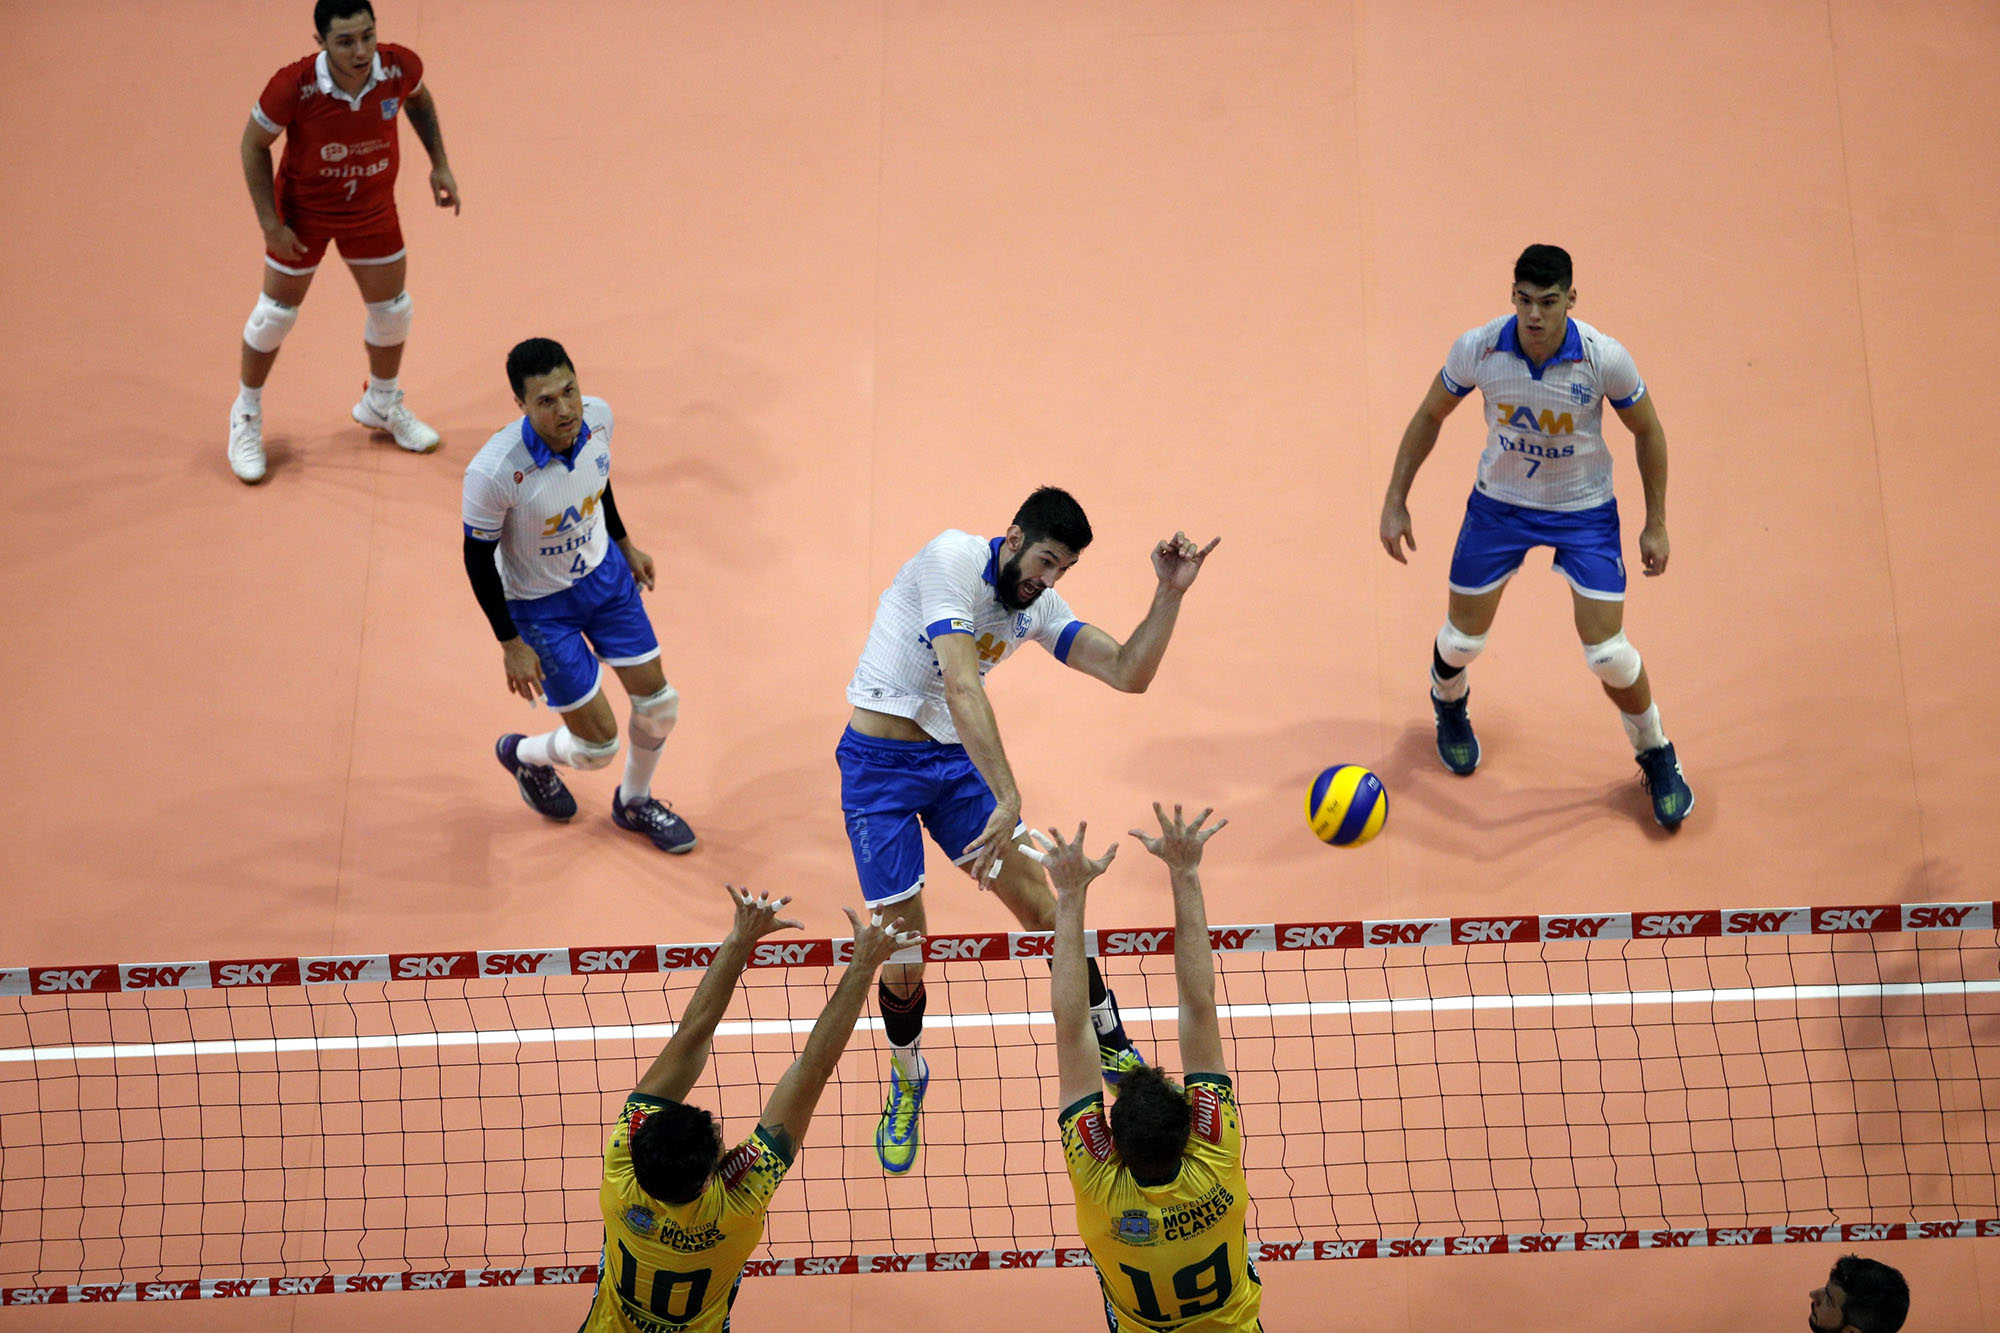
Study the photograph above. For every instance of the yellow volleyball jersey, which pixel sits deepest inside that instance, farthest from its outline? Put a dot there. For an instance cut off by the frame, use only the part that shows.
(1171, 1256)
(670, 1269)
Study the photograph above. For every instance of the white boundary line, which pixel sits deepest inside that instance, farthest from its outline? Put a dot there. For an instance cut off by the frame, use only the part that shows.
(657, 1032)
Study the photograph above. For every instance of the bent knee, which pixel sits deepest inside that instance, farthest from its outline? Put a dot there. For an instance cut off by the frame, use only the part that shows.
(592, 754)
(1614, 661)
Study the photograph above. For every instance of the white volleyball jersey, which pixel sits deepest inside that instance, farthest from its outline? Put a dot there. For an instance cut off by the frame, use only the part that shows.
(1544, 437)
(948, 588)
(541, 507)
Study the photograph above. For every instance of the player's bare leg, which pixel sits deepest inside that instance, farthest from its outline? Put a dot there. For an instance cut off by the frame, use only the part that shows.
(655, 708)
(1600, 624)
(1023, 886)
(900, 996)
(277, 307)
(1468, 617)
(388, 325)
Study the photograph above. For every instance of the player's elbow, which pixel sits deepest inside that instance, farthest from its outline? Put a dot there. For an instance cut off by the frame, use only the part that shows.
(1125, 675)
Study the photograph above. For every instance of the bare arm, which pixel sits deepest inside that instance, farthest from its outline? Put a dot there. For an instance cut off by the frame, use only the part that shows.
(256, 154)
(790, 1109)
(1130, 666)
(680, 1063)
(1070, 872)
(979, 733)
(1419, 438)
(422, 111)
(1179, 845)
(1649, 439)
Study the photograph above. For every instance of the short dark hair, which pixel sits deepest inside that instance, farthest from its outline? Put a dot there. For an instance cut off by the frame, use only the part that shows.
(674, 1152)
(1544, 266)
(1877, 1298)
(1052, 514)
(536, 356)
(1150, 1121)
(328, 12)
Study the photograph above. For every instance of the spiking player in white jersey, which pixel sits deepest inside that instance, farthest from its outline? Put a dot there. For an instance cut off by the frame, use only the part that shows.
(558, 580)
(923, 745)
(1544, 480)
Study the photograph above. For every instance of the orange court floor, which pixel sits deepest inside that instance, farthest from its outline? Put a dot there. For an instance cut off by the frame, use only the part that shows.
(855, 271)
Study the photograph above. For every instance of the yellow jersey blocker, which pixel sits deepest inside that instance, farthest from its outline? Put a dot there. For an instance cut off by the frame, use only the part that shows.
(1170, 1256)
(669, 1269)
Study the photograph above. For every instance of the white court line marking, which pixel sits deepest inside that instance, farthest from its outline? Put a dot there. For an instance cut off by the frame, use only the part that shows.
(656, 1032)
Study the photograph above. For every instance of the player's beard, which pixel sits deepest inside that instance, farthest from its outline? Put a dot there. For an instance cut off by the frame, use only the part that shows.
(1007, 587)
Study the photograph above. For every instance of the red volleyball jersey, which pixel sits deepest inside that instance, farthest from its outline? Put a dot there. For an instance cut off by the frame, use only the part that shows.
(339, 166)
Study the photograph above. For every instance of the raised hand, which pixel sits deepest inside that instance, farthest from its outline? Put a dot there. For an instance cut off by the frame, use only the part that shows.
(1177, 560)
(758, 917)
(1070, 867)
(1180, 842)
(875, 939)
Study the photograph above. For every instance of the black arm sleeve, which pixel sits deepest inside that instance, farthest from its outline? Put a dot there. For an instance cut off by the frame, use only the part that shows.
(485, 576)
(612, 523)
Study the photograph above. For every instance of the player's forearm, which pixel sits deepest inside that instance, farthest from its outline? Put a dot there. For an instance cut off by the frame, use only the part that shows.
(1077, 1068)
(1419, 438)
(423, 119)
(979, 733)
(711, 998)
(263, 195)
(1194, 961)
(491, 593)
(1652, 451)
(1140, 655)
(1069, 984)
(835, 1025)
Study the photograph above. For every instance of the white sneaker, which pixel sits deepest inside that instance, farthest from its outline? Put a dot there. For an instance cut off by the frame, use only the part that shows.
(410, 433)
(246, 445)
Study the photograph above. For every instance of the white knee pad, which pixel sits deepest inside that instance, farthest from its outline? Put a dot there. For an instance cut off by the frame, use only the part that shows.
(388, 322)
(654, 714)
(269, 323)
(573, 751)
(1458, 648)
(1615, 662)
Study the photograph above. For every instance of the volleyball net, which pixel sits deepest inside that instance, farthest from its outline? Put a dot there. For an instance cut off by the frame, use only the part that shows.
(1444, 1086)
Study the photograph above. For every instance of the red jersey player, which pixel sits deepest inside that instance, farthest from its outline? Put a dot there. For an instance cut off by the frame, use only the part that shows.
(336, 183)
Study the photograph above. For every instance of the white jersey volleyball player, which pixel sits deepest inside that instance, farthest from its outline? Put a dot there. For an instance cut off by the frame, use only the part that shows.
(1544, 480)
(558, 579)
(923, 746)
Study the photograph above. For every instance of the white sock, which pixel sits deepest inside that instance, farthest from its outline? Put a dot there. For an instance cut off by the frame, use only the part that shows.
(1450, 691)
(1643, 729)
(639, 765)
(539, 749)
(249, 399)
(908, 1061)
(382, 393)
